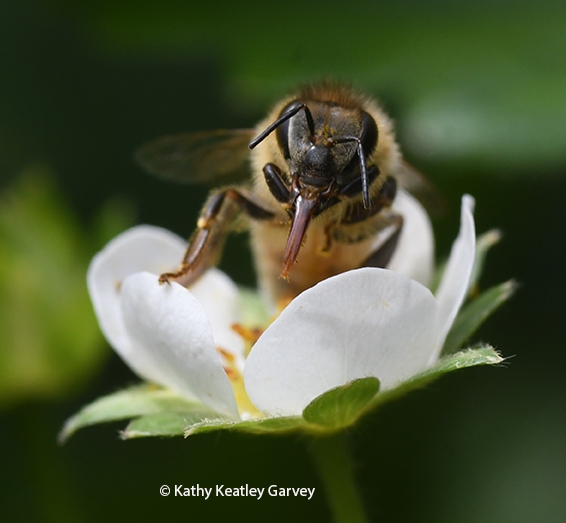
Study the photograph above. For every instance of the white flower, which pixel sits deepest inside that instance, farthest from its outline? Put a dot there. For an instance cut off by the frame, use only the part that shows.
(367, 322)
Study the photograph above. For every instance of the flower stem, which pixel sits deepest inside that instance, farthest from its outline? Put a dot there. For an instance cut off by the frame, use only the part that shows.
(332, 458)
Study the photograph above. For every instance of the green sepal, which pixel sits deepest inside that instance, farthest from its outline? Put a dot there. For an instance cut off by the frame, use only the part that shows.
(161, 424)
(168, 423)
(160, 412)
(480, 355)
(474, 313)
(280, 425)
(140, 401)
(342, 406)
(484, 243)
(333, 410)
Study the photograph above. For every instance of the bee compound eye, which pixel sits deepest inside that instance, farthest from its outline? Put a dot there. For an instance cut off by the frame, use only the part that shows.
(369, 133)
(286, 113)
(282, 132)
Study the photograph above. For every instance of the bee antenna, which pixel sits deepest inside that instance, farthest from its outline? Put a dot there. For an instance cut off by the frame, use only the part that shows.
(364, 175)
(363, 166)
(292, 111)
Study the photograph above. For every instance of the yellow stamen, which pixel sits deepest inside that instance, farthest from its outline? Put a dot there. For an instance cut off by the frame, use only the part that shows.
(250, 335)
(245, 406)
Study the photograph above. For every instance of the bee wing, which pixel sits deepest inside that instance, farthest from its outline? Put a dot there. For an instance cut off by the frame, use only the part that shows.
(209, 157)
(413, 181)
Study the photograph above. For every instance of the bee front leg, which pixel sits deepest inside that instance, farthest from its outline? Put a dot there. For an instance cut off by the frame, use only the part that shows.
(277, 184)
(382, 255)
(217, 216)
(383, 199)
(361, 223)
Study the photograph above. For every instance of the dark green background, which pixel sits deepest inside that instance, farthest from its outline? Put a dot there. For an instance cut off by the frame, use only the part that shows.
(478, 91)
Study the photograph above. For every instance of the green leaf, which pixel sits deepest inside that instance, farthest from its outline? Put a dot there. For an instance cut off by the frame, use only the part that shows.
(342, 406)
(140, 400)
(481, 355)
(475, 313)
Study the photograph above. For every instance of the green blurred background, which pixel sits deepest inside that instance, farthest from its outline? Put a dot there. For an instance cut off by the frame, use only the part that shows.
(478, 92)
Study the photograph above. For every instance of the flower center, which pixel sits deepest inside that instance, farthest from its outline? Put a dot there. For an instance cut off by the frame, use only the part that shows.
(250, 334)
(245, 407)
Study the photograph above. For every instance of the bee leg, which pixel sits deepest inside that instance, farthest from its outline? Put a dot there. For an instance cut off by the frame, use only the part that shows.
(382, 256)
(205, 246)
(361, 223)
(354, 188)
(277, 183)
(359, 213)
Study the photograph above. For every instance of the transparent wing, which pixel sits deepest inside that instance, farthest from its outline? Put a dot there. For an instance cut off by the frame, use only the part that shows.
(422, 188)
(208, 157)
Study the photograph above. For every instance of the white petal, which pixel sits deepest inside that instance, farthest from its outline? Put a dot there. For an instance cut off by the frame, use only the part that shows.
(455, 281)
(169, 328)
(367, 322)
(140, 248)
(414, 255)
(220, 299)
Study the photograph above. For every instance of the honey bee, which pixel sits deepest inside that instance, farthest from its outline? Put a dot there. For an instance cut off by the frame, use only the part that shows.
(314, 183)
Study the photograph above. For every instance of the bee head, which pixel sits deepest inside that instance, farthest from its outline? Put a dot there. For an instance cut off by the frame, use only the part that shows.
(326, 144)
